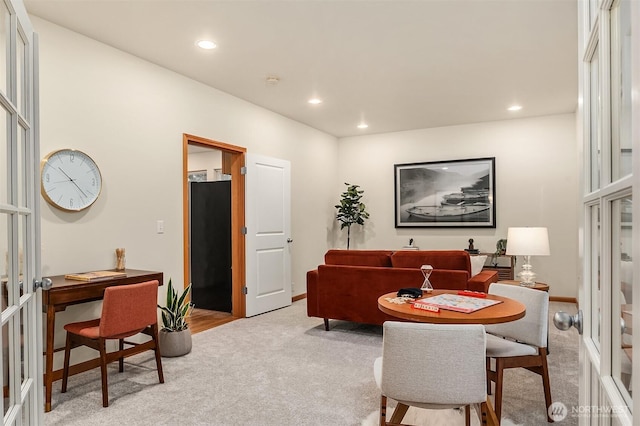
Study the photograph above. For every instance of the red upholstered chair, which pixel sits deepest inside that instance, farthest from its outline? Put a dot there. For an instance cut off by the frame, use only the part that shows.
(126, 310)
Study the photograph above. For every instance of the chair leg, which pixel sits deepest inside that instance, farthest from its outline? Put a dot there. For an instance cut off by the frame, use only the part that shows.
(398, 414)
(467, 415)
(383, 410)
(65, 370)
(154, 336)
(545, 381)
(103, 372)
(488, 368)
(121, 359)
(326, 324)
(487, 415)
(498, 394)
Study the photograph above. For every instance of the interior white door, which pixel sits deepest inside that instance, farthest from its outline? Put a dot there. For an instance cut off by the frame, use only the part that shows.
(268, 241)
(21, 303)
(610, 131)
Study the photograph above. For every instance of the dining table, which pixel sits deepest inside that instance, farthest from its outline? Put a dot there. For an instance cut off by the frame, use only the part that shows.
(503, 310)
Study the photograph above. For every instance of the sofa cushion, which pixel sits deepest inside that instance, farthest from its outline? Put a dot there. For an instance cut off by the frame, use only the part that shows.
(439, 259)
(381, 258)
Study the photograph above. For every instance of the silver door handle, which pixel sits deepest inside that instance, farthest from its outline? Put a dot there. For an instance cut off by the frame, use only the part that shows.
(46, 284)
(564, 321)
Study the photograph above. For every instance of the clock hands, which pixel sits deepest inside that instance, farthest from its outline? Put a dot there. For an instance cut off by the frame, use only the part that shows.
(72, 181)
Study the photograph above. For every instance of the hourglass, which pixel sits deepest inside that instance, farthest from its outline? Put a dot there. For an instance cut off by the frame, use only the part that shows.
(426, 285)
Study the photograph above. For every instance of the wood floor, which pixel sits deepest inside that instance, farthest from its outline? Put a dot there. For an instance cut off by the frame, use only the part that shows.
(202, 319)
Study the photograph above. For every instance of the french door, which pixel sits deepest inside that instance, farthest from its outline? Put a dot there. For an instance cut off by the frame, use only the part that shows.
(609, 117)
(21, 304)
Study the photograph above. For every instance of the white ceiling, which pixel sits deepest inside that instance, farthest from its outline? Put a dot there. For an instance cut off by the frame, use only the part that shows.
(398, 65)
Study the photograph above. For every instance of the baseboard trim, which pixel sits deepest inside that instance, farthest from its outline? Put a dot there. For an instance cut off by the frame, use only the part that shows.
(299, 297)
(563, 299)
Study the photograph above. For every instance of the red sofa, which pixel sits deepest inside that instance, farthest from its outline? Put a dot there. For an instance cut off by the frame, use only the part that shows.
(348, 285)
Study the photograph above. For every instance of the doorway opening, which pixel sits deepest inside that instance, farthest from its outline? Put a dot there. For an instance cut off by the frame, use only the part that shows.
(232, 160)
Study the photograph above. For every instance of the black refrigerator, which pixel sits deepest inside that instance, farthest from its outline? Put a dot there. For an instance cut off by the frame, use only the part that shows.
(210, 245)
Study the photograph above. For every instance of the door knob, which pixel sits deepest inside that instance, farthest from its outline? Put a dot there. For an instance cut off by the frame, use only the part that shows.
(289, 240)
(564, 321)
(46, 284)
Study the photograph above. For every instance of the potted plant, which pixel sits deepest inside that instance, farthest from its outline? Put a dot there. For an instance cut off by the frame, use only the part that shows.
(175, 336)
(501, 248)
(351, 210)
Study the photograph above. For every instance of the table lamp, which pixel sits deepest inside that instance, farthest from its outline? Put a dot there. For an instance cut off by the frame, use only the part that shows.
(527, 242)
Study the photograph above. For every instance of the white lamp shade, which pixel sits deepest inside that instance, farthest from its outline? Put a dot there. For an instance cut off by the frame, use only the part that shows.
(528, 241)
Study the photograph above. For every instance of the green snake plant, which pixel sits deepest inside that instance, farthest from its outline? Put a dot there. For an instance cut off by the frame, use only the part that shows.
(174, 315)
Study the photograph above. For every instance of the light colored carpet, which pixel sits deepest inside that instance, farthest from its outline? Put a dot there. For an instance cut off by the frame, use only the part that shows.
(282, 368)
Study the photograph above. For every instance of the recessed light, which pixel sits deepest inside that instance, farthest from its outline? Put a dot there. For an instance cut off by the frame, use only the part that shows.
(315, 101)
(514, 108)
(363, 126)
(206, 44)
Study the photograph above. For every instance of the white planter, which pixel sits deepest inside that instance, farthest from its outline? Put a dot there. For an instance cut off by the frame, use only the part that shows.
(174, 343)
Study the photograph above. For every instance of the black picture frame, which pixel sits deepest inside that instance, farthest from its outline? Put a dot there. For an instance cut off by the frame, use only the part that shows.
(446, 194)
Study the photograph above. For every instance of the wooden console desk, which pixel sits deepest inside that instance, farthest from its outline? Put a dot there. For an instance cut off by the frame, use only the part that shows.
(65, 293)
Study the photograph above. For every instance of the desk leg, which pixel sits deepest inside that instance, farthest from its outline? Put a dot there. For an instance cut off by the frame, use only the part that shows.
(48, 375)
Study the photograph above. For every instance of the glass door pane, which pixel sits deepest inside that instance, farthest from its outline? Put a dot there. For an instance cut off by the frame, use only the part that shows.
(595, 120)
(622, 295)
(5, 30)
(621, 89)
(594, 215)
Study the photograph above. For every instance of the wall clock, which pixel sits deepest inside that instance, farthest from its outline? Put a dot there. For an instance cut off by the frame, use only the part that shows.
(70, 180)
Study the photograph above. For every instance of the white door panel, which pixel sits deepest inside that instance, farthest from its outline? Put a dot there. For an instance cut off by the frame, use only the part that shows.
(21, 305)
(268, 220)
(609, 117)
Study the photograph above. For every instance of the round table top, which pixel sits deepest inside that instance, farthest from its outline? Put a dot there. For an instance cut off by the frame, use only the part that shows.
(508, 310)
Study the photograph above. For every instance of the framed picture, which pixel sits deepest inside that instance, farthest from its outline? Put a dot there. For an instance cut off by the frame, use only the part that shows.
(453, 194)
(197, 176)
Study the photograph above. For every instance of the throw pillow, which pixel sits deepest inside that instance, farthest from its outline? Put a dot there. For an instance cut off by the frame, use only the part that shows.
(477, 262)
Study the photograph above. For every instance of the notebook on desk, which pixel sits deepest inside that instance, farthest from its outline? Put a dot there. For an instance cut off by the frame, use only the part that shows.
(95, 275)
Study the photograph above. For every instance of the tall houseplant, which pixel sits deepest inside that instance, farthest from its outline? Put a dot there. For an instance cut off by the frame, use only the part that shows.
(351, 210)
(175, 336)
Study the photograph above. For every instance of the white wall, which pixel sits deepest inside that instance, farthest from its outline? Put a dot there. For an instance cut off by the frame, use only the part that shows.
(129, 116)
(536, 185)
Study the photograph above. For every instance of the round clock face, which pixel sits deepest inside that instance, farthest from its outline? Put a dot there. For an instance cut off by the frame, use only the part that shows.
(70, 180)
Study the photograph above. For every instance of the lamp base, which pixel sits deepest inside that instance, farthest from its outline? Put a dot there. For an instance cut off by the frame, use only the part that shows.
(527, 276)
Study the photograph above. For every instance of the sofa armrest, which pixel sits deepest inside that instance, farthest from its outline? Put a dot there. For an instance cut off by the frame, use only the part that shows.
(483, 280)
(312, 293)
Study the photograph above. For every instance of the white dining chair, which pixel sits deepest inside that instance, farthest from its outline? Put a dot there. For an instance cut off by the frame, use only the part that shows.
(520, 343)
(433, 366)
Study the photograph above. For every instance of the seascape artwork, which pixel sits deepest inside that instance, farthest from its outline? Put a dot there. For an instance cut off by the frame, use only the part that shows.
(458, 193)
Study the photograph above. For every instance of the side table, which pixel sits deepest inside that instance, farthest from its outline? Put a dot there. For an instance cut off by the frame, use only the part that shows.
(537, 286)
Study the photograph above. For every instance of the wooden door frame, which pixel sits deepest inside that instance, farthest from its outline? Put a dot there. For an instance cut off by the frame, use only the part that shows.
(236, 155)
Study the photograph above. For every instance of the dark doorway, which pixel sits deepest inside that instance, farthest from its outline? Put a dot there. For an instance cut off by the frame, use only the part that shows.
(210, 239)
